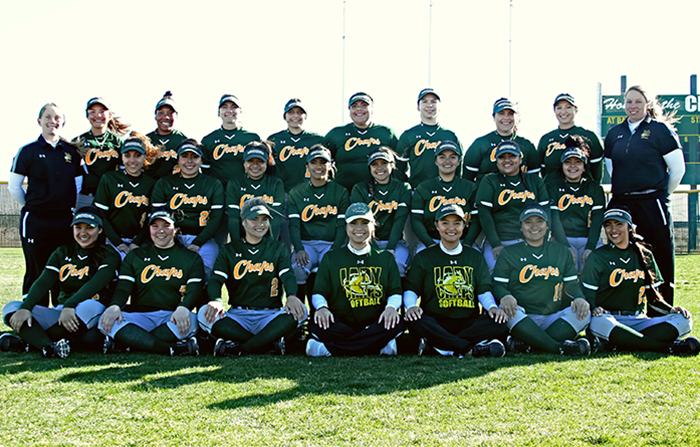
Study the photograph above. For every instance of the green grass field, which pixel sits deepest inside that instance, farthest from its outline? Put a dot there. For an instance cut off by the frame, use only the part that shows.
(136, 399)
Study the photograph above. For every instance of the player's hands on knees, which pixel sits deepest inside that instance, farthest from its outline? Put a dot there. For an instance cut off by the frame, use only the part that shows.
(597, 312)
(498, 315)
(214, 309)
(681, 310)
(194, 248)
(181, 318)
(19, 318)
(68, 320)
(414, 313)
(574, 255)
(295, 307)
(584, 255)
(133, 246)
(390, 317)
(112, 314)
(301, 258)
(123, 248)
(323, 317)
(497, 251)
(509, 305)
(581, 307)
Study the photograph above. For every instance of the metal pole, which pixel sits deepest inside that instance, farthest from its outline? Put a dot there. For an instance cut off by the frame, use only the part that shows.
(510, 48)
(693, 197)
(623, 84)
(430, 41)
(599, 118)
(342, 87)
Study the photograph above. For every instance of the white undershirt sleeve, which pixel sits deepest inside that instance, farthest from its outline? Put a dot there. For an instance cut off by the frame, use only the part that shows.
(15, 186)
(487, 301)
(318, 301)
(676, 168)
(608, 166)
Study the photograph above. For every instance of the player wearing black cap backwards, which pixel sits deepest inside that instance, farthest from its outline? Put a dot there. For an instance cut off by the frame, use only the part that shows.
(257, 272)
(351, 144)
(167, 137)
(451, 281)
(99, 147)
(356, 295)
(82, 270)
(480, 158)
(162, 283)
(552, 144)
(417, 144)
(533, 281)
(621, 280)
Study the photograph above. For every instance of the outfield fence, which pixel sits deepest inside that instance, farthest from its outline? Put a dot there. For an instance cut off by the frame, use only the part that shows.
(684, 205)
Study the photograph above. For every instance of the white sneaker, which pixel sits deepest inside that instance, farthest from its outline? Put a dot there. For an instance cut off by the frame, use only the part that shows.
(389, 349)
(445, 353)
(315, 348)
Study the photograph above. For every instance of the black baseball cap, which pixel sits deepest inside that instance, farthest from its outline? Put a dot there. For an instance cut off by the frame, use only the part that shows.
(564, 97)
(97, 100)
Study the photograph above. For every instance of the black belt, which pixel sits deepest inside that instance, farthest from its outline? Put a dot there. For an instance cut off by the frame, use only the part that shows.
(625, 313)
(256, 308)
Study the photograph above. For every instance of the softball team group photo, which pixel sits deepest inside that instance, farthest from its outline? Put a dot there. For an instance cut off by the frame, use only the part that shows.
(359, 242)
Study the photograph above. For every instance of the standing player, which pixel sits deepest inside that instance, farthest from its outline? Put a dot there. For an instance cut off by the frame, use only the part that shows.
(445, 189)
(292, 146)
(552, 144)
(257, 274)
(99, 147)
(316, 216)
(351, 144)
(162, 283)
(621, 280)
(124, 196)
(52, 167)
(389, 199)
(356, 295)
(257, 158)
(82, 271)
(198, 197)
(452, 280)
(531, 280)
(480, 158)
(577, 200)
(166, 137)
(417, 144)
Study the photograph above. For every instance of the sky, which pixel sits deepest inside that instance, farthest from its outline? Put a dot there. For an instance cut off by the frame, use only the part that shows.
(267, 51)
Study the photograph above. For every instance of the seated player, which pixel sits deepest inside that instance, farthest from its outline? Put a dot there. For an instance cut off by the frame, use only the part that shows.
(620, 280)
(162, 283)
(451, 281)
(257, 272)
(533, 280)
(356, 295)
(83, 272)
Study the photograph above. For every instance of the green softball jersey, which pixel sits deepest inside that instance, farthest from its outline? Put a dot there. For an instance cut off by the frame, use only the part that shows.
(480, 158)
(351, 148)
(449, 285)
(158, 279)
(268, 188)
(614, 279)
(542, 279)
(223, 153)
(102, 155)
(166, 163)
(389, 204)
(125, 203)
(500, 199)
(357, 287)
(433, 194)
(201, 199)
(290, 155)
(551, 146)
(579, 206)
(317, 213)
(69, 267)
(255, 275)
(417, 145)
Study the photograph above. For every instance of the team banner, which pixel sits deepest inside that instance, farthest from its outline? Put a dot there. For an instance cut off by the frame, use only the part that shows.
(687, 108)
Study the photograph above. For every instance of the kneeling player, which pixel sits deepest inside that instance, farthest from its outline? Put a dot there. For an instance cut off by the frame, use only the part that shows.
(531, 279)
(256, 270)
(449, 277)
(356, 295)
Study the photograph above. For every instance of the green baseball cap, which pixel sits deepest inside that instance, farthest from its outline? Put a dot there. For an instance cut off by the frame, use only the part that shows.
(133, 145)
(534, 209)
(573, 152)
(618, 215)
(227, 97)
(167, 100)
(253, 208)
(449, 210)
(358, 210)
(97, 100)
(162, 214)
(564, 97)
(188, 146)
(87, 216)
(294, 102)
(508, 147)
(448, 146)
(502, 104)
(360, 96)
(427, 91)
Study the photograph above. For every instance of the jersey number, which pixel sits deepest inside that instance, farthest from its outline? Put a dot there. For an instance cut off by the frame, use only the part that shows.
(642, 295)
(183, 290)
(274, 287)
(558, 291)
(203, 218)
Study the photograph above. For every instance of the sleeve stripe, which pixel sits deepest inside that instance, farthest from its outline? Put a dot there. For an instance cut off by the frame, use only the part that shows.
(570, 278)
(158, 205)
(589, 286)
(101, 206)
(194, 280)
(220, 273)
(217, 207)
(127, 278)
(596, 160)
(417, 211)
(51, 267)
(499, 279)
(283, 271)
(489, 204)
(471, 168)
(294, 216)
(597, 207)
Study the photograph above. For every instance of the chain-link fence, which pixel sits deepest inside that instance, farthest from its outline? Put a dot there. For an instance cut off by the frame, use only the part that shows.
(684, 205)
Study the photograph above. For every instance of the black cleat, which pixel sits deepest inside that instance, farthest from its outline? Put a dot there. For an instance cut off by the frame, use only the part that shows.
(60, 349)
(515, 346)
(111, 346)
(687, 346)
(493, 348)
(185, 347)
(227, 348)
(12, 343)
(278, 347)
(578, 347)
(422, 346)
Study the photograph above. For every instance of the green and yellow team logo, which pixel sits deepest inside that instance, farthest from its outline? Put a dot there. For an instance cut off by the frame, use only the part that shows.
(362, 285)
(455, 286)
